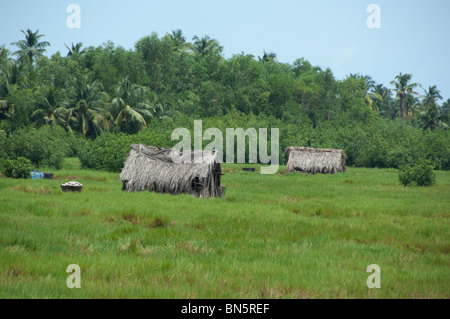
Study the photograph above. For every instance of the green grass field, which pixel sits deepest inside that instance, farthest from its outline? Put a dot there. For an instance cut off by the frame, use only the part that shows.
(271, 236)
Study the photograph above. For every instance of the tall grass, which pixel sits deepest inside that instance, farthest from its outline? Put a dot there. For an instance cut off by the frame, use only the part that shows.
(271, 236)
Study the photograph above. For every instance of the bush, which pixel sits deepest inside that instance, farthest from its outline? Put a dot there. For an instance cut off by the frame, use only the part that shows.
(109, 150)
(3, 145)
(421, 174)
(46, 146)
(18, 168)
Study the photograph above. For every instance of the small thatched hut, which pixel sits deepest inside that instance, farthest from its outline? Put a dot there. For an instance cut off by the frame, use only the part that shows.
(153, 169)
(315, 160)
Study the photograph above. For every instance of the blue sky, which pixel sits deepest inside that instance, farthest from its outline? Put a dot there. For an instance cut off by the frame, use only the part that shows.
(414, 36)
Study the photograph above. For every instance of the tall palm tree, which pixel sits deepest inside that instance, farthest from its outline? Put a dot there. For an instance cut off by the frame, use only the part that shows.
(385, 105)
(12, 77)
(51, 107)
(88, 112)
(12, 73)
(178, 40)
(31, 47)
(403, 87)
(431, 118)
(267, 57)
(131, 106)
(412, 106)
(371, 95)
(4, 54)
(165, 111)
(206, 45)
(75, 49)
(446, 110)
(431, 97)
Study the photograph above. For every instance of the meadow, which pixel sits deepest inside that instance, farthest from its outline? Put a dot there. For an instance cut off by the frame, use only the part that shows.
(271, 236)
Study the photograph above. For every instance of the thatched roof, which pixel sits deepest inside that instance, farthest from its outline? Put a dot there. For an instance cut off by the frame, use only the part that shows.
(153, 169)
(315, 160)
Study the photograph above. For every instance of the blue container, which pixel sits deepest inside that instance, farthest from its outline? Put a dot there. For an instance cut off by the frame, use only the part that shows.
(37, 175)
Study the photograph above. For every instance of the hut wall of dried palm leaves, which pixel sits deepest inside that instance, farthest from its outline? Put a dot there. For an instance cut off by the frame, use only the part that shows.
(153, 169)
(315, 160)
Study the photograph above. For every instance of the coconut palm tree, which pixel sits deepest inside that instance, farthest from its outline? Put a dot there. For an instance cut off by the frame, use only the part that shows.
(165, 111)
(412, 106)
(403, 87)
(12, 73)
(178, 40)
(51, 108)
(75, 49)
(12, 77)
(267, 57)
(431, 118)
(206, 45)
(446, 109)
(385, 105)
(371, 95)
(431, 97)
(132, 107)
(88, 113)
(31, 48)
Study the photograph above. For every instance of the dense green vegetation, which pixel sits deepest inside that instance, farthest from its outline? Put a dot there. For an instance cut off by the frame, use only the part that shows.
(167, 82)
(271, 236)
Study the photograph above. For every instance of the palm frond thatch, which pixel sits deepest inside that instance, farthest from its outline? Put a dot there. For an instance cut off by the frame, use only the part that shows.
(153, 169)
(315, 160)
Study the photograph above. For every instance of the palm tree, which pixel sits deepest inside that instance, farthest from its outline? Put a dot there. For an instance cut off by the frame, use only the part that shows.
(431, 97)
(178, 40)
(267, 57)
(371, 95)
(412, 106)
(51, 107)
(132, 108)
(31, 47)
(164, 111)
(206, 45)
(431, 118)
(385, 105)
(12, 77)
(12, 73)
(89, 113)
(446, 109)
(402, 89)
(75, 49)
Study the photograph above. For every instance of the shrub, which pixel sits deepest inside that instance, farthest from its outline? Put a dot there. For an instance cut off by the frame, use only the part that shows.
(109, 150)
(3, 145)
(421, 174)
(47, 145)
(18, 168)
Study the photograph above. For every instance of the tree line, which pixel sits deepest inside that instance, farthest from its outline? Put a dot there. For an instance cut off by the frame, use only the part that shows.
(166, 81)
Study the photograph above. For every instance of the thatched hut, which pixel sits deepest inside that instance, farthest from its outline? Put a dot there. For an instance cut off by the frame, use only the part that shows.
(153, 169)
(315, 160)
